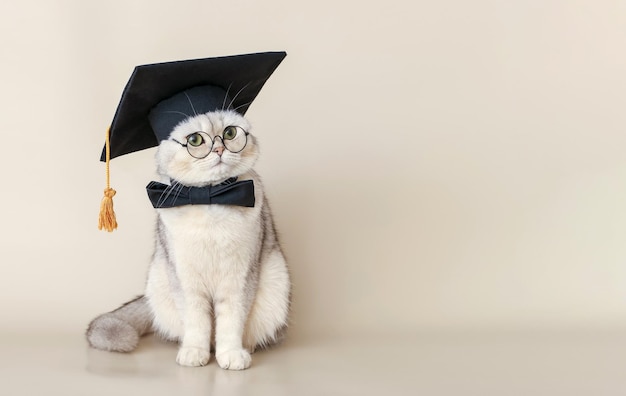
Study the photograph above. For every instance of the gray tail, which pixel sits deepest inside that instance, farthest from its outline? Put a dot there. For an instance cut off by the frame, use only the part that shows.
(119, 330)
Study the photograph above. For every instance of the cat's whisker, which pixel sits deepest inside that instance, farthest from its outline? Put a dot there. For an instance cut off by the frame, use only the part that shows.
(242, 105)
(190, 104)
(168, 191)
(177, 112)
(163, 197)
(226, 96)
(178, 191)
(235, 98)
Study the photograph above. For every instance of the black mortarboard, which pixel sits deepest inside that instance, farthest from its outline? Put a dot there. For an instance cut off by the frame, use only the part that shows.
(159, 96)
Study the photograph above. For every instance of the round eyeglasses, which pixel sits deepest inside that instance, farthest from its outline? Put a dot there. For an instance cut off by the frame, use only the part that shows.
(200, 144)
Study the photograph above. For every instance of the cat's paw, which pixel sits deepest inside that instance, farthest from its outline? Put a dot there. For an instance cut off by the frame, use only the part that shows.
(237, 359)
(190, 356)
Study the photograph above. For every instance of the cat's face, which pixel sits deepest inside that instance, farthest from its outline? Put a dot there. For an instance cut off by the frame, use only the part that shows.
(174, 160)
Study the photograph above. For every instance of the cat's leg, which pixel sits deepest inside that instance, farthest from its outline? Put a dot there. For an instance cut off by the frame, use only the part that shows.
(194, 304)
(119, 330)
(181, 306)
(231, 310)
(268, 319)
(195, 346)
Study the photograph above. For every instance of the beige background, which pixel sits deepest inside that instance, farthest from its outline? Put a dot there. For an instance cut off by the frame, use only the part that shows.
(431, 164)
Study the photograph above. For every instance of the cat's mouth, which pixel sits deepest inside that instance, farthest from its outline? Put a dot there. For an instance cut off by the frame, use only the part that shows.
(219, 163)
(218, 160)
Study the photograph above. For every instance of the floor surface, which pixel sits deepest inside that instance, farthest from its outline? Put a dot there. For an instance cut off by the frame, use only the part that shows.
(488, 363)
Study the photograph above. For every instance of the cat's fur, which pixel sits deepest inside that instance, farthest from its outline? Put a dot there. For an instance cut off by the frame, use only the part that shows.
(218, 277)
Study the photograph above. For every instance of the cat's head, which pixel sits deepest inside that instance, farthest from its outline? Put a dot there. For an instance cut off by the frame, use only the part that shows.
(188, 157)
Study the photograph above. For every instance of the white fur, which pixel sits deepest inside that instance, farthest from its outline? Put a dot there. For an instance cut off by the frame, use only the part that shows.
(201, 281)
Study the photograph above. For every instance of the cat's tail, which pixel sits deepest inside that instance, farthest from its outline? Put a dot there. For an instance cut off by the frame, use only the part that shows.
(119, 330)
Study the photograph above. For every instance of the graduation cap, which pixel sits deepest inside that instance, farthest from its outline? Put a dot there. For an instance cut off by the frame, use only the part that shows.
(159, 96)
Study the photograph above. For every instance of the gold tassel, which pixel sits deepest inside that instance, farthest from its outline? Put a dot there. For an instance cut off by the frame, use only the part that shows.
(107, 215)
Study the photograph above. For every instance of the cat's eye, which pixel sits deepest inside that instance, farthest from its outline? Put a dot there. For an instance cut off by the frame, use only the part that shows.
(195, 139)
(230, 132)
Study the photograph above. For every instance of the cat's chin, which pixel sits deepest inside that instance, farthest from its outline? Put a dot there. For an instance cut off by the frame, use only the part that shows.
(203, 183)
(207, 180)
(211, 174)
(220, 172)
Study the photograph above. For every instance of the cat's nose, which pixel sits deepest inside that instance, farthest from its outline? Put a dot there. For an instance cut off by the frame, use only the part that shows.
(219, 150)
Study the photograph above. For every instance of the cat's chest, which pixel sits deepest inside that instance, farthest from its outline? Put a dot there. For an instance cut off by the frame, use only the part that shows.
(210, 245)
(210, 226)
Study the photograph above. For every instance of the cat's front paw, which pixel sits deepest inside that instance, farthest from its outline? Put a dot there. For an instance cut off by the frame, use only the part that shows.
(237, 359)
(190, 356)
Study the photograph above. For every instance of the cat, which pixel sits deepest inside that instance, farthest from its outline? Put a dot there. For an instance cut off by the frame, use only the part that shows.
(218, 280)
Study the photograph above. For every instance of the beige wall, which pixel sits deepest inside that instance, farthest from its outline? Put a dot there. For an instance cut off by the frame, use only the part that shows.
(430, 163)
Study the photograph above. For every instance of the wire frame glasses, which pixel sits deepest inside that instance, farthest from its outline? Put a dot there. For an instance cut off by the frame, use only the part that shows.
(200, 144)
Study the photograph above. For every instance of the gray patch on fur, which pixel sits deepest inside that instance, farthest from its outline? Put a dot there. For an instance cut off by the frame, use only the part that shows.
(108, 333)
(119, 330)
(163, 246)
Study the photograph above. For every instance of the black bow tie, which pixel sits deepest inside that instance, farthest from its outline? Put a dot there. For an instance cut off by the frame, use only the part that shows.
(230, 192)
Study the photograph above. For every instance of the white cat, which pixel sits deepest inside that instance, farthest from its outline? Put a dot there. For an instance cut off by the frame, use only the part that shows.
(218, 277)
